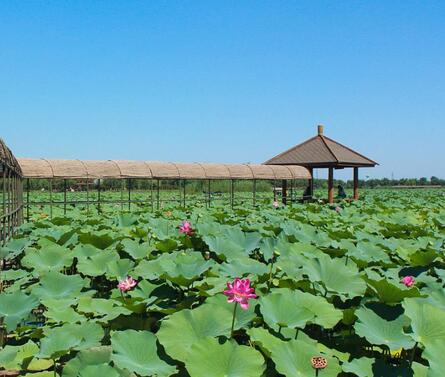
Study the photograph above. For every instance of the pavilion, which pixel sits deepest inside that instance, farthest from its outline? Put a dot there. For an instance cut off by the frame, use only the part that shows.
(321, 152)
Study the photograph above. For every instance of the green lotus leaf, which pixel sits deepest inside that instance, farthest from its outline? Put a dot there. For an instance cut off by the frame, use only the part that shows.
(101, 240)
(243, 266)
(184, 268)
(390, 293)
(42, 374)
(248, 241)
(421, 370)
(361, 367)
(98, 370)
(136, 351)
(51, 258)
(366, 252)
(267, 247)
(63, 313)
(209, 358)
(293, 358)
(225, 247)
(15, 307)
(96, 356)
(58, 286)
(137, 250)
(306, 308)
(57, 343)
(61, 340)
(379, 331)
(263, 339)
(434, 353)
(150, 270)
(22, 358)
(119, 269)
(81, 251)
(167, 245)
(103, 310)
(426, 321)
(210, 319)
(423, 257)
(336, 276)
(97, 264)
(126, 220)
(10, 275)
(14, 248)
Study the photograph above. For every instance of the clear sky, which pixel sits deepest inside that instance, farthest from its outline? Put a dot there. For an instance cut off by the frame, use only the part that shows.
(224, 81)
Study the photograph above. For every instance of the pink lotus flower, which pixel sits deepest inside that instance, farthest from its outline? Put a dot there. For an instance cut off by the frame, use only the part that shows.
(240, 291)
(408, 281)
(127, 284)
(186, 228)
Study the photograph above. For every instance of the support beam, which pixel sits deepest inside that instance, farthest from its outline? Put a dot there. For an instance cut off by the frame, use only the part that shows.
(356, 196)
(284, 191)
(331, 186)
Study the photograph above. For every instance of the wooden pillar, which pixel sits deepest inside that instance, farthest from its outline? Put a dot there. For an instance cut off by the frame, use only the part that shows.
(64, 196)
(232, 187)
(88, 197)
(356, 183)
(51, 198)
(129, 193)
(27, 199)
(331, 186)
(209, 193)
(254, 193)
(311, 182)
(184, 192)
(284, 191)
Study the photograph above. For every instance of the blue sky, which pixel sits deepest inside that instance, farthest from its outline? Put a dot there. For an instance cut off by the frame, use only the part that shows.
(227, 81)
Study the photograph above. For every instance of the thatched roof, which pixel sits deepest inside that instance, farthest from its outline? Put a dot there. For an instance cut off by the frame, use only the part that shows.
(8, 159)
(321, 151)
(44, 168)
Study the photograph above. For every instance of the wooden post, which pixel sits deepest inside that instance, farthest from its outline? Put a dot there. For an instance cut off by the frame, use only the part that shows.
(311, 182)
(129, 193)
(254, 193)
(209, 193)
(183, 192)
(157, 194)
(98, 195)
(231, 193)
(51, 198)
(356, 183)
(284, 191)
(27, 199)
(88, 197)
(64, 196)
(331, 186)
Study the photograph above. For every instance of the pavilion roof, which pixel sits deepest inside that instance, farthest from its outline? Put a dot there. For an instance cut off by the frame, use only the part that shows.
(321, 151)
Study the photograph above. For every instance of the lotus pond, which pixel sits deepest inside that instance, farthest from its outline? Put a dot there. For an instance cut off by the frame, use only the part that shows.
(355, 289)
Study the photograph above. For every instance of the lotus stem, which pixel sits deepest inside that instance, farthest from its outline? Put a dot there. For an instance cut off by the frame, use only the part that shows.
(233, 319)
